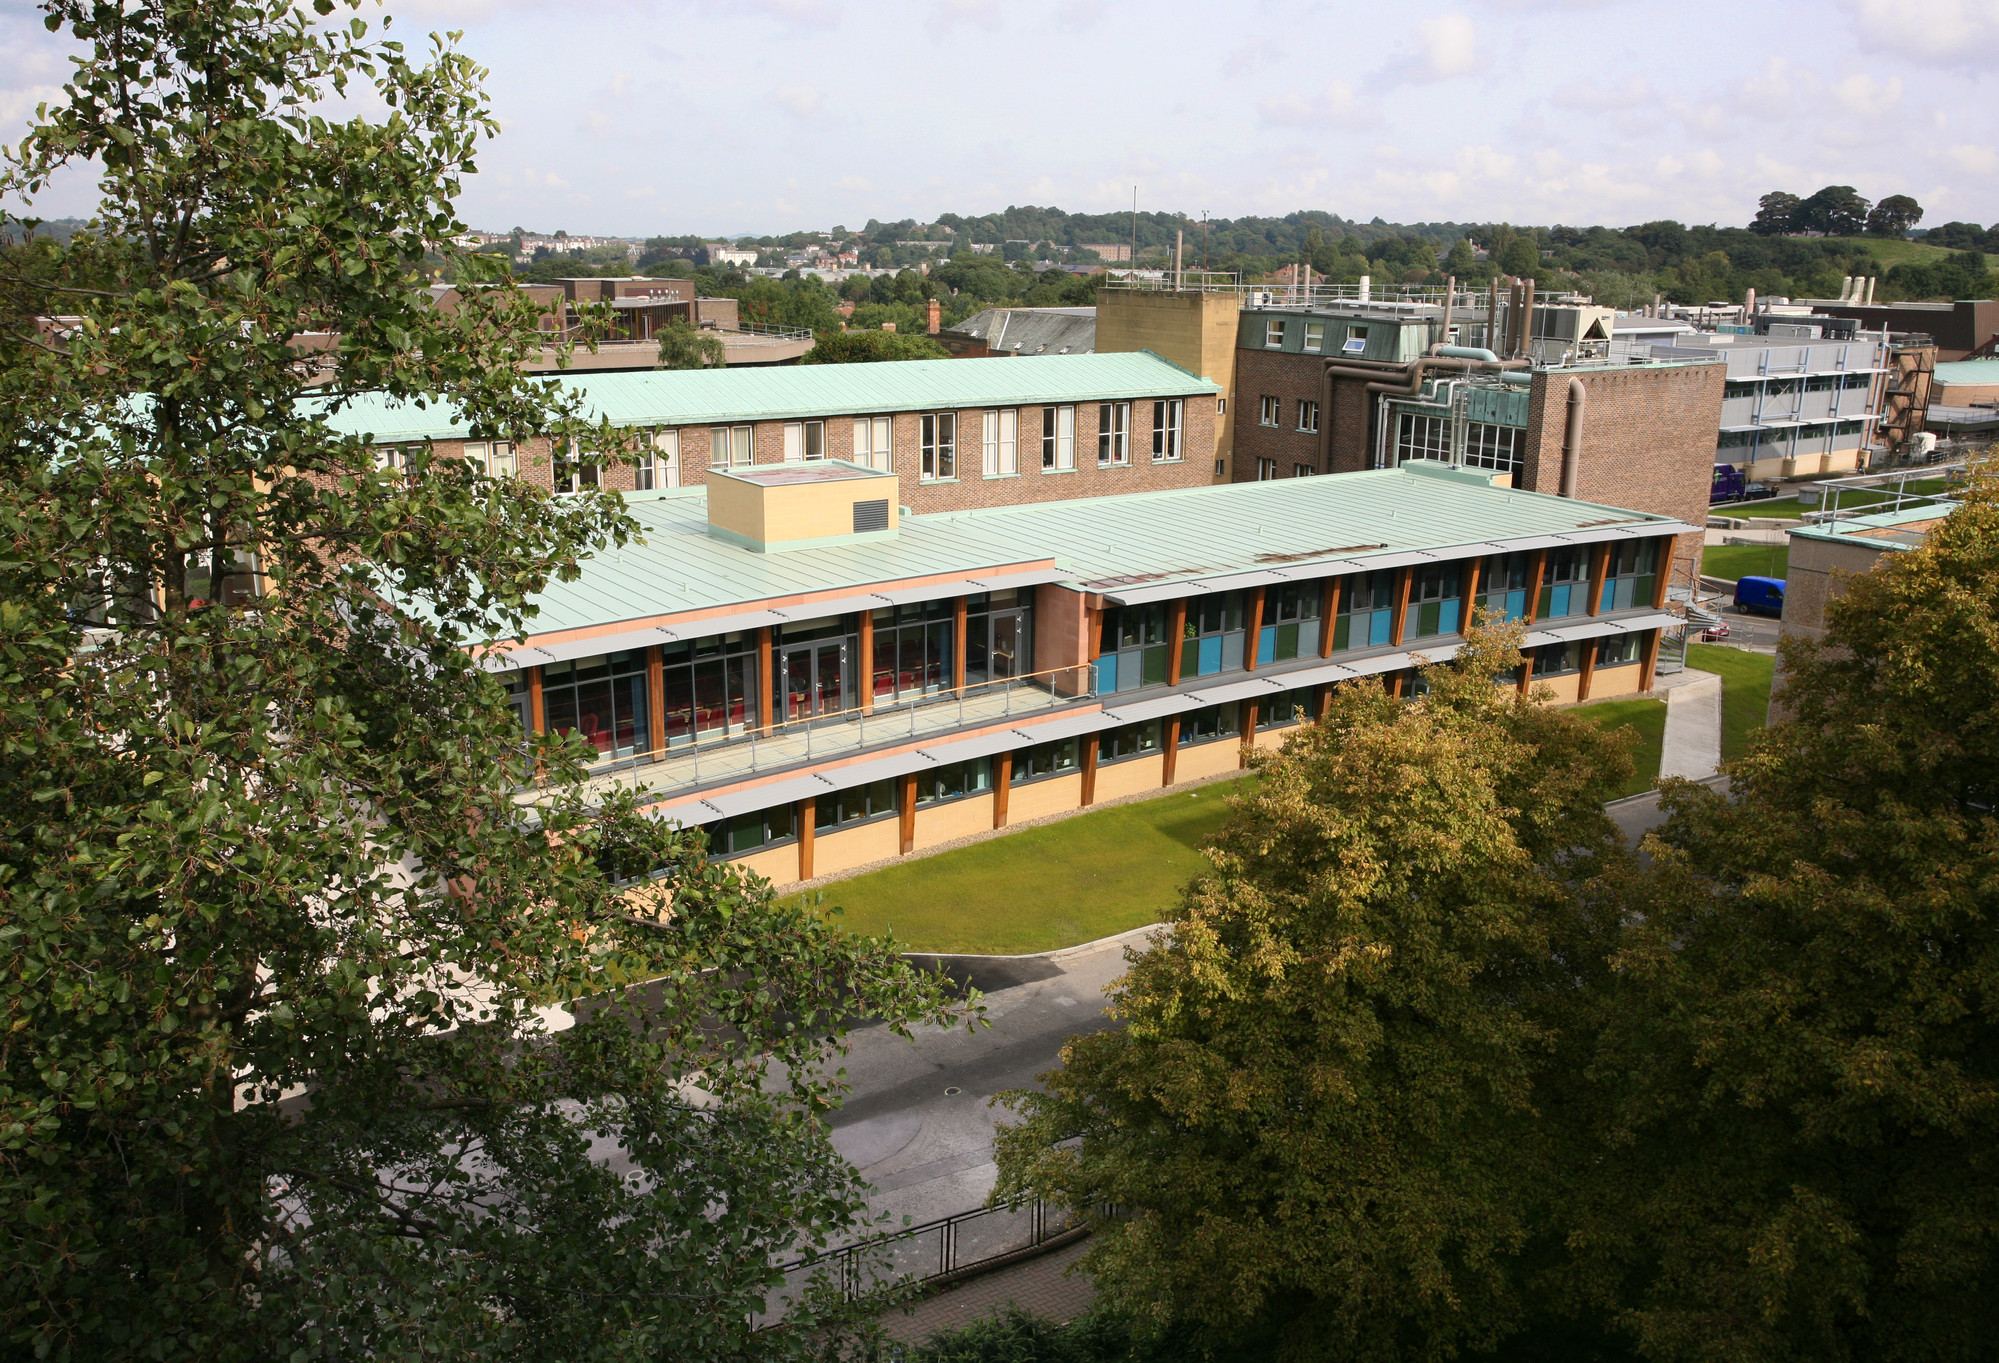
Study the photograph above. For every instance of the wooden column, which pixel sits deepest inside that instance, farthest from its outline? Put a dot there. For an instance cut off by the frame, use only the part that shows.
(1329, 614)
(1395, 684)
(1002, 786)
(1598, 568)
(1471, 595)
(1663, 573)
(1526, 672)
(958, 618)
(1533, 610)
(1588, 671)
(656, 698)
(808, 817)
(537, 716)
(1089, 770)
(1255, 641)
(906, 814)
(1248, 732)
(1403, 579)
(1647, 673)
(1170, 735)
(766, 679)
(1174, 630)
(1323, 704)
(867, 667)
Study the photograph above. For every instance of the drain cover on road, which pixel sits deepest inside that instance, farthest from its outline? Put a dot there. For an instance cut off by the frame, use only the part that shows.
(952, 1092)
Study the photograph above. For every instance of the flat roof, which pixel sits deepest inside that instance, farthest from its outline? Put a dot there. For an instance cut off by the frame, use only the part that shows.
(792, 475)
(1903, 529)
(1132, 548)
(1967, 371)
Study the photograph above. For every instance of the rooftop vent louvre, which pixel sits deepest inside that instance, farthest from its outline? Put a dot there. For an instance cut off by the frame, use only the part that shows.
(870, 516)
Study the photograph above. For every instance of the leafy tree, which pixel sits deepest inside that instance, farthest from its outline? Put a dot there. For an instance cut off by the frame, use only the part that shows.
(862, 347)
(1836, 210)
(1805, 1053)
(1521, 256)
(1461, 262)
(1894, 216)
(1776, 214)
(684, 346)
(1326, 1105)
(284, 937)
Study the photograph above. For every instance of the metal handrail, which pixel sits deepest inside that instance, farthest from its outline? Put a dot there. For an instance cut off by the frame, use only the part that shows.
(850, 1263)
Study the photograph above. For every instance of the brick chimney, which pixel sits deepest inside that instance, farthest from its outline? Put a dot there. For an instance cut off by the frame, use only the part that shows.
(936, 316)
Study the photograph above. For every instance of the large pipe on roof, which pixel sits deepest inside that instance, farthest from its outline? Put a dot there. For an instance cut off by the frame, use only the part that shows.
(1526, 318)
(1397, 380)
(1492, 317)
(1464, 352)
(1870, 291)
(1443, 340)
(1572, 437)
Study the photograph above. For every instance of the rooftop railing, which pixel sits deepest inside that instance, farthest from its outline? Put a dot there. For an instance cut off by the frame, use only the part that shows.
(1874, 494)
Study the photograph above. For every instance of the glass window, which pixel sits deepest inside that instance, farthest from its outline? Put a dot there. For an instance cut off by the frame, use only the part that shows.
(1493, 447)
(1268, 412)
(1128, 742)
(1215, 724)
(1315, 337)
(1001, 440)
(1044, 760)
(1366, 602)
(1434, 601)
(940, 447)
(804, 440)
(1212, 641)
(1113, 433)
(750, 832)
(999, 636)
(603, 699)
(1133, 648)
(912, 647)
(1273, 332)
(1632, 575)
(1556, 660)
(1285, 709)
(1308, 416)
(954, 781)
(855, 805)
(1422, 437)
(573, 474)
(731, 447)
(1617, 650)
(495, 458)
(1564, 583)
(710, 686)
(1502, 585)
(871, 442)
(1266, 470)
(1290, 622)
(1166, 418)
(1356, 341)
(1058, 438)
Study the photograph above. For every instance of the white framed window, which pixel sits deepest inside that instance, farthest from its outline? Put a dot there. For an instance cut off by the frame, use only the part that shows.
(1356, 341)
(1221, 467)
(731, 447)
(871, 442)
(1269, 410)
(1113, 433)
(1308, 415)
(573, 474)
(495, 458)
(1167, 417)
(1001, 439)
(396, 458)
(1273, 332)
(1315, 337)
(1266, 470)
(1221, 406)
(1422, 437)
(1058, 439)
(1301, 470)
(939, 440)
(658, 463)
(804, 440)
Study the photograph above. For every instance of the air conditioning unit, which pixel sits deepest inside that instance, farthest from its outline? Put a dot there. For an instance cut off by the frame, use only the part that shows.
(1261, 298)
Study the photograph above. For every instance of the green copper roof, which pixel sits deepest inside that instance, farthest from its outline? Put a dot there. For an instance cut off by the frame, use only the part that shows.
(699, 397)
(1906, 528)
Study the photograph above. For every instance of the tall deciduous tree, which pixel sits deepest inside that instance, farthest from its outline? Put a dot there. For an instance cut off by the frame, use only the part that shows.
(1327, 1102)
(1836, 210)
(1805, 1049)
(1776, 214)
(286, 898)
(1894, 216)
(682, 346)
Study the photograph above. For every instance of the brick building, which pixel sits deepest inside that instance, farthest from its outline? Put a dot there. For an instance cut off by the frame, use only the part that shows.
(823, 682)
(959, 433)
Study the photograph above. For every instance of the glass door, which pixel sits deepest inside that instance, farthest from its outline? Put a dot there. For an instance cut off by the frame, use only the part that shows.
(814, 680)
(1006, 653)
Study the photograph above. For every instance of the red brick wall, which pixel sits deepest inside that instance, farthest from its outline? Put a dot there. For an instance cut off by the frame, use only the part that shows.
(1290, 378)
(1648, 439)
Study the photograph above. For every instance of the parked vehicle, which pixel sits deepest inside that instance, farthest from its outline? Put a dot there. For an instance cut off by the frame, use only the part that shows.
(1760, 595)
(1731, 484)
(1715, 632)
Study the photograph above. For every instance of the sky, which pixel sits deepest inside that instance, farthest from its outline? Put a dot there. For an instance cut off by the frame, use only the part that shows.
(645, 117)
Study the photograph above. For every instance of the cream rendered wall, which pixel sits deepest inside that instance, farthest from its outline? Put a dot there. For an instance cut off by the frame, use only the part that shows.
(1207, 759)
(1621, 680)
(832, 852)
(1564, 687)
(779, 865)
(958, 819)
(1037, 799)
(1274, 738)
(1129, 778)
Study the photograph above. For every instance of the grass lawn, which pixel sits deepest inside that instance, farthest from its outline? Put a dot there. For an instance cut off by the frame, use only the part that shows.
(1647, 719)
(1068, 882)
(1732, 561)
(1789, 508)
(1891, 251)
(1745, 691)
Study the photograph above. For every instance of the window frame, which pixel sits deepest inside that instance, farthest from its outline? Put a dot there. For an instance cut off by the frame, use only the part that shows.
(999, 432)
(728, 438)
(1058, 439)
(1273, 333)
(937, 443)
(1308, 406)
(496, 458)
(1270, 410)
(1168, 420)
(878, 455)
(799, 439)
(1315, 338)
(1113, 435)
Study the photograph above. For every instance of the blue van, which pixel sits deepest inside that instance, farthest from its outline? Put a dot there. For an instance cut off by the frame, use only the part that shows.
(1760, 596)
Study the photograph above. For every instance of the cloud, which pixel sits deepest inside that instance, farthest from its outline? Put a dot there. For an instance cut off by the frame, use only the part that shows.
(1294, 110)
(856, 184)
(1863, 94)
(1974, 160)
(799, 13)
(802, 100)
(945, 16)
(1586, 94)
(1449, 46)
(1941, 32)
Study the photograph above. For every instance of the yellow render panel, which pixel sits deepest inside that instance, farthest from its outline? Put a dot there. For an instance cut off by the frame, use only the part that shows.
(1564, 687)
(1038, 799)
(811, 511)
(779, 865)
(1207, 759)
(851, 847)
(736, 506)
(958, 819)
(1621, 680)
(1136, 777)
(1275, 738)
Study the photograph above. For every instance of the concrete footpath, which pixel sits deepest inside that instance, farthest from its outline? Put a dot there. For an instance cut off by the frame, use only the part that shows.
(1692, 747)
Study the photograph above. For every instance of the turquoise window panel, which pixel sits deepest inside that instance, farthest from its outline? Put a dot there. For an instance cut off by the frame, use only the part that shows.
(1378, 629)
(1107, 674)
(1210, 656)
(1447, 618)
(1266, 646)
